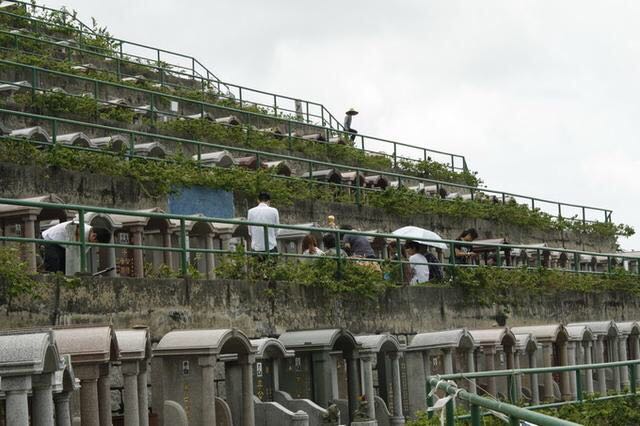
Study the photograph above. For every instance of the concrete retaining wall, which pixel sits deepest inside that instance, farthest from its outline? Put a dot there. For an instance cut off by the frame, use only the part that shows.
(260, 310)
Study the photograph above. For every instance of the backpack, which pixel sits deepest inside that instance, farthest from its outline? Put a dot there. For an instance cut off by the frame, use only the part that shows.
(435, 271)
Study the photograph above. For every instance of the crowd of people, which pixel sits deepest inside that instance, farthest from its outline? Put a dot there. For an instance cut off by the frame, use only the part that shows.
(420, 264)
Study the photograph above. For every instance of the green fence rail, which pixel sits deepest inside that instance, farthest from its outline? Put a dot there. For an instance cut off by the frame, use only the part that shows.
(184, 250)
(443, 382)
(476, 402)
(158, 62)
(396, 150)
(358, 188)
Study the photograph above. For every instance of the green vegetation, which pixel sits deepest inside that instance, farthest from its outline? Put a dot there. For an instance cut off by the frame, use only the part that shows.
(159, 178)
(15, 279)
(614, 412)
(514, 287)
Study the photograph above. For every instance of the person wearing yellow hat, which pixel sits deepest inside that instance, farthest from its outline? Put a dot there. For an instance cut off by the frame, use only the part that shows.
(347, 123)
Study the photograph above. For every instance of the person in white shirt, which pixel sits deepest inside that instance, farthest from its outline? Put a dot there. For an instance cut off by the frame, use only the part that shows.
(418, 263)
(263, 213)
(55, 254)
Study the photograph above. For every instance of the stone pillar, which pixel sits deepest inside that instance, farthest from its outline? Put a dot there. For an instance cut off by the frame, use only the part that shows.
(130, 395)
(209, 259)
(571, 358)
(367, 373)
(143, 395)
(166, 242)
(448, 361)
(63, 412)
(30, 248)
(248, 411)
(42, 400)
(516, 362)
(602, 378)
(104, 396)
(624, 371)
(613, 351)
(636, 345)
(16, 400)
(396, 384)
(565, 383)
(89, 407)
(352, 384)
(471, 367)
(138, 255)
(547, 359)
(588, 374)
(490, 365)
(207, 363)
(535, 389)
(110, 255)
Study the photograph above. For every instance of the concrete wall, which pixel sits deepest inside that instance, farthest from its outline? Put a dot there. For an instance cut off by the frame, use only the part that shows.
(260, 311)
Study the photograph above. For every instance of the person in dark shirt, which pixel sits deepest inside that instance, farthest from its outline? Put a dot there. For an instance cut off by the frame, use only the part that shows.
(357, 245)
(464, 254)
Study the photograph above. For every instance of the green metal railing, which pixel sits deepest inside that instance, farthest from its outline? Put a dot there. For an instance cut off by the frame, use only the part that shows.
(442, 382)
(55, 124)
(157, 62)
(476, 402)
(185, 251)
(396, 150)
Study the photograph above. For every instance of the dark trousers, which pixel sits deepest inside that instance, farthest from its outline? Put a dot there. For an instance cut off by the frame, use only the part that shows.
(263, 257)
(353, 134)
(54, 258)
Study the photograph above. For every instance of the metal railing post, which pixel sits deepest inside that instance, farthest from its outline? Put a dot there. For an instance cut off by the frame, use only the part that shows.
(183, 248)
(338, 256)
(265, 229)
(579, 385)
(83, 242)
(632, 378)
(450, 413)
(475, 415)
(399, 254)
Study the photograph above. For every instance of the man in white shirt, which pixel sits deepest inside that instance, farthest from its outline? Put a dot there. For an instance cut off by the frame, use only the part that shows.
(263, 213)
(55, 254)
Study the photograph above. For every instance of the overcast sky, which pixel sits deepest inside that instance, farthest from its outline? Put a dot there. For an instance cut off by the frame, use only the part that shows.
(540, 96)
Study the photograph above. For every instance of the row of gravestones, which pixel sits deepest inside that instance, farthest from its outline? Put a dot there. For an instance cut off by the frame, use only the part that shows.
(311, 377)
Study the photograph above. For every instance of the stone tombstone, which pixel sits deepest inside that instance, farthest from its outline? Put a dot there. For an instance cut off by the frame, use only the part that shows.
(629, 347)
(295, 376)
(183, 370)
(525, 357)
(270, 357)
(65, 384)
(135, 354)
(580, 348)
(426, 347)
(24, 221)
(28, 363)
(606, 348)
(552, 340)
(382, 352)
(102, 260)
(498, 349)
(323, 346)
(143, 230)
(92, 350)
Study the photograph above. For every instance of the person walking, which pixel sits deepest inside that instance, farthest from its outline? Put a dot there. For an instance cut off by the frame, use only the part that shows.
(263, 213)
(348, 117)
(463, 253)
